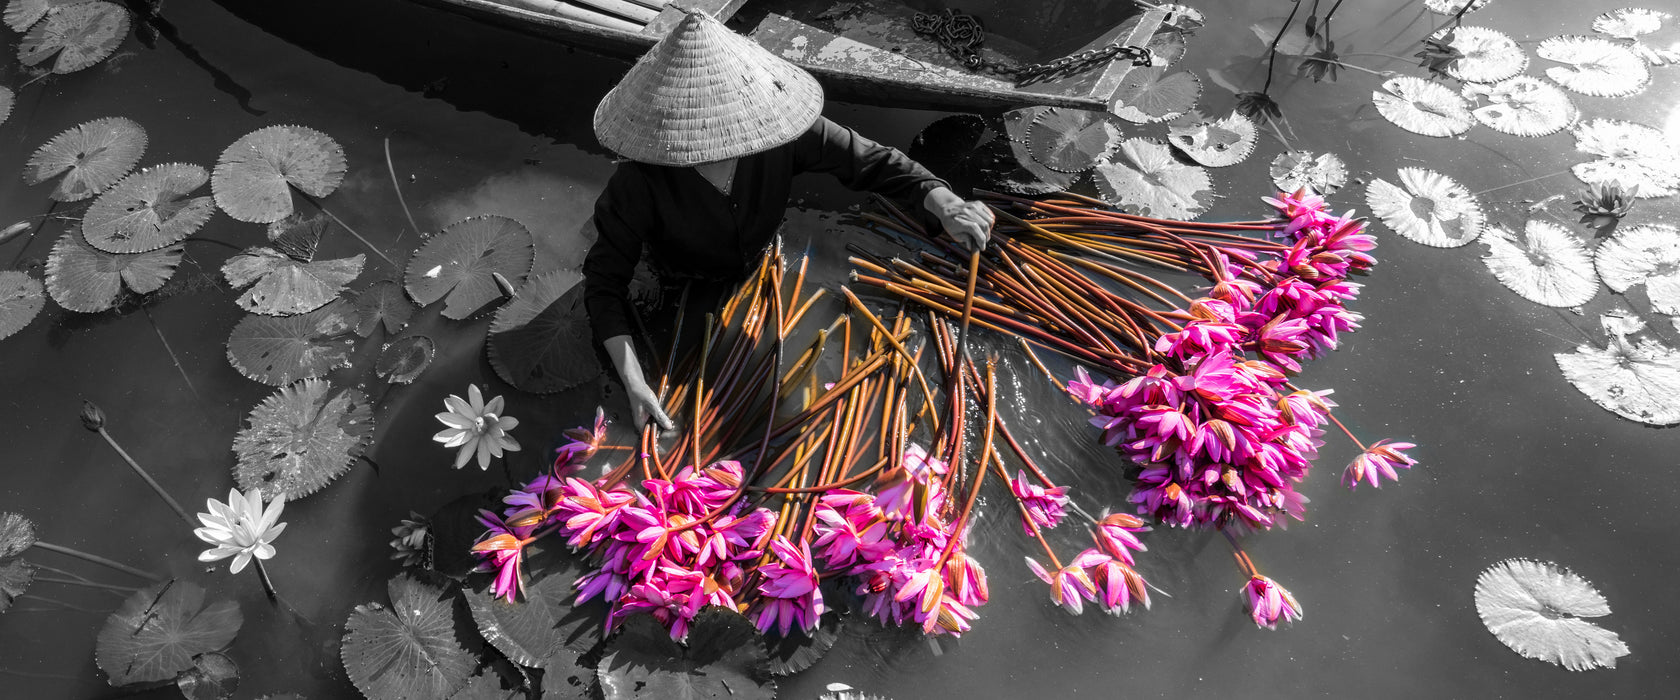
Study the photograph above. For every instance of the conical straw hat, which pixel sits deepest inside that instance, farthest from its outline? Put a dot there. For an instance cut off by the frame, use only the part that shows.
(705, 93)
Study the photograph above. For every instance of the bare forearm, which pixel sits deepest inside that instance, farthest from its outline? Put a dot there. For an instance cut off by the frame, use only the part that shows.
(622, 350)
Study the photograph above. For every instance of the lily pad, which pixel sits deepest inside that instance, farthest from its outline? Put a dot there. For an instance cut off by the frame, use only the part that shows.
(1635, 378)
(539, 342)
(254, 176)
(1523, 106)
(83, 279)
(21, 299)
(409, 650)
(15, 577)
(91, 156)
(301, 438)
(1538, 609)
(282, 285)
(723, 658)
(1427, 207)
(383, 303)
(20, 15)
(17, 534)
(1225, 141)
(149, 209)
(461, 262)
(1648, 255)
(8, 100)
(487, 685)
(1549, 266)
(403, 360)
(1151, 94)
(543, 621)
(1143, 178)
(213, 676)
(1323, 173)
(1450, 7)
(1489, 56)
(798, 651)
(1634, 156)
(1629, 22)
(1072, 140)
(280, 350)
(80, 35)
(155, 633)
(1597, 67)
(1423, 107)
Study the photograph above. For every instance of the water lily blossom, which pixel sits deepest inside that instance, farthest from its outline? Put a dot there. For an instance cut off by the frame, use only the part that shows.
(476, 427)
(240, 528)
(1378, 462)
(1269, 603)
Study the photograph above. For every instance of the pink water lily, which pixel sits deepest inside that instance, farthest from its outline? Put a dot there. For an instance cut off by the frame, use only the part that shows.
(790, 598)
(1378, 462)
(1040, 506)
(1269, 603)
(1070, 586)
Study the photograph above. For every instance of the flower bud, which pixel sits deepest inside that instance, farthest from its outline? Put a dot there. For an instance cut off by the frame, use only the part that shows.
(92, 418)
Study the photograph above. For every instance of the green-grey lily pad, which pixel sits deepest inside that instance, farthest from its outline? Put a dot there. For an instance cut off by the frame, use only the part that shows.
(283, 286)
(20, 15)
(723, 658)
(15, 577)
(149, 209)
(155, 633)
(540, 341)
(280, 350)
(17, 533)
(383, 303)
(80, 35)
(403, 360)
(302, 438)
(542, 621)
(409, 650)
(213, 676)
(461, 262)
(91, 156)
(82, 278)
(21, 299)
(254, 176)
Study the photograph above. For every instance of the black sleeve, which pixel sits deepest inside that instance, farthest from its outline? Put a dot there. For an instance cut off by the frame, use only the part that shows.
(623, 220)
(862, 164)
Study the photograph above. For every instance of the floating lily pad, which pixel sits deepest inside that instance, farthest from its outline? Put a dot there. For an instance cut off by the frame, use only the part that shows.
(1143, 178)
(1423, 107)
(1216, 144)
(83, 279)
(8, 100)
(1151, 94)
(1450, 7)
(724, 658)
(301, 438)
(15, 577)
(282, 285)
(460, 263)
(403, 360)
(148, 210)
(1323, 173)
(1523, 106)
(383, 303)
(1648, 255)
(971, 151)
(409, 650)
(1597, 67)
(91, 156)
(280, 350)
(1548, 266)
(213, 676)
(1637, 379)
(543, 621)
(1427, 207)
(80, 35)
(155, 633)
(1017, 122)
(539, 342)
(487, 685)
(1489, 56)
(17, 534)
(21, 298)
(849, 694)
(1071, 140)
(798, 651)
(1633, 156)
(20, 15)
(254, 176)
(1629, 22)
(1538, 609)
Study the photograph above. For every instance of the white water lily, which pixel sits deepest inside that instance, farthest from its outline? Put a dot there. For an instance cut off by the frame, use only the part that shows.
(240, 528)
(475, 426)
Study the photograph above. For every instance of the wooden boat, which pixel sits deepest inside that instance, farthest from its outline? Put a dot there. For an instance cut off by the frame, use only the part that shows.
(873, 56)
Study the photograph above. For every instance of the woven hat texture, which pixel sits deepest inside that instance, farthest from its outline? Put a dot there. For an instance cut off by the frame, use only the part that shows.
(703, 94)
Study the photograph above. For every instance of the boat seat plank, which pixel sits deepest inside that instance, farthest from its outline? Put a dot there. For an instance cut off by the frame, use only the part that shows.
(671, 15)
(554, 8)
(622, 8)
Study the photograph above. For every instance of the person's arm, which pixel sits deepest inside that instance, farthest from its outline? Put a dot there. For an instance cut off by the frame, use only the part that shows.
(623, 218)
(644, 403)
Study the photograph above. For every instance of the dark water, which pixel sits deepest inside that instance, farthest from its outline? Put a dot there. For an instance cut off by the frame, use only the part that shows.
(1515, 461)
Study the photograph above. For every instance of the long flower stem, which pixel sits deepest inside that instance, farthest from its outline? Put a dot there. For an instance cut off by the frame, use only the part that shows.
(268, 585)
(172, 357)
(392, 169)
(340, 222)
(1520, 182)
(1271, 51)
(89, 584)
(156, 488)
(96, 559)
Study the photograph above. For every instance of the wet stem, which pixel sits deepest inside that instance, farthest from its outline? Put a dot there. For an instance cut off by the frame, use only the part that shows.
(156, 488)
(340, 222)
(1271, 51)
(96, 559)
(268, 585)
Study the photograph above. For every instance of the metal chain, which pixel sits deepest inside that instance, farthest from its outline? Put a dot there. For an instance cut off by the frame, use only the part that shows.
(963, 36)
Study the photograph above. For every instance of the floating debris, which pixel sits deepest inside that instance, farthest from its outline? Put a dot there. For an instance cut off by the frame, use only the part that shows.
(1549, 266)
(1451, 7)
(1225, 141)
(539, 342)
(1423, 107)
(254, 176)
(461, 262)
(1633, 156)
(1635, 378)
(407, 650)
(1143, 178)
(1629, 22)
(81, 278)
(1648, 255)
(155, 633)
(21, 299)
(91, 156)
(405, 359)
(383, 303)
(1427, 207)
(80, 35)
(149, 210)
(1536, 609)
(1597, 67)
(1151, 94)
(1486, 55)
(1523, 106)
(301, 438)
(287, 280)
(279, 350)
(1072, 140)
(1323, 173)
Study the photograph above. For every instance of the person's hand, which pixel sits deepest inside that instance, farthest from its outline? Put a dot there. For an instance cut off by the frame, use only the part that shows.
(967, 223)
(644, 404)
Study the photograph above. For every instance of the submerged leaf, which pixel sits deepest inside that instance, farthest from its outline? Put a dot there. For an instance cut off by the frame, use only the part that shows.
(544, 621)
(1648, 255)
(156, 632)
(539, 342)
(15, 577)
(1072, 140)
(213, 676)
(283, 286)
(1323, 173)
(402, 361)
(1216, 144)
(148, 210)
(1637, 379)
(1150, 94)
(1423, 107)
(17, 533)
(1144, 179)
(83, 279)
(301, 439)
(1550, 266)
(254, 176)
(1486, 55)
(724, 658)
(280, 350)
(1629, 22)
(1597, 67)
(1634, 156)
(8, 100)
(1427, 207)
(1023, 174)
(80, 35)
(409, 650)
(461, 261)
(21, 298)
(92, 156)
(1536, 609)
(383, 303)
(1523, 106)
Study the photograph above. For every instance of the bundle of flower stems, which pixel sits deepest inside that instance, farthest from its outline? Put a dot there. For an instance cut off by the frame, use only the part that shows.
(761, 497)
(1206, 405)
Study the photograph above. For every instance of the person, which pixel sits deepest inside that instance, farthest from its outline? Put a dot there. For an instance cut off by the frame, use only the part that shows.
(713, 127)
